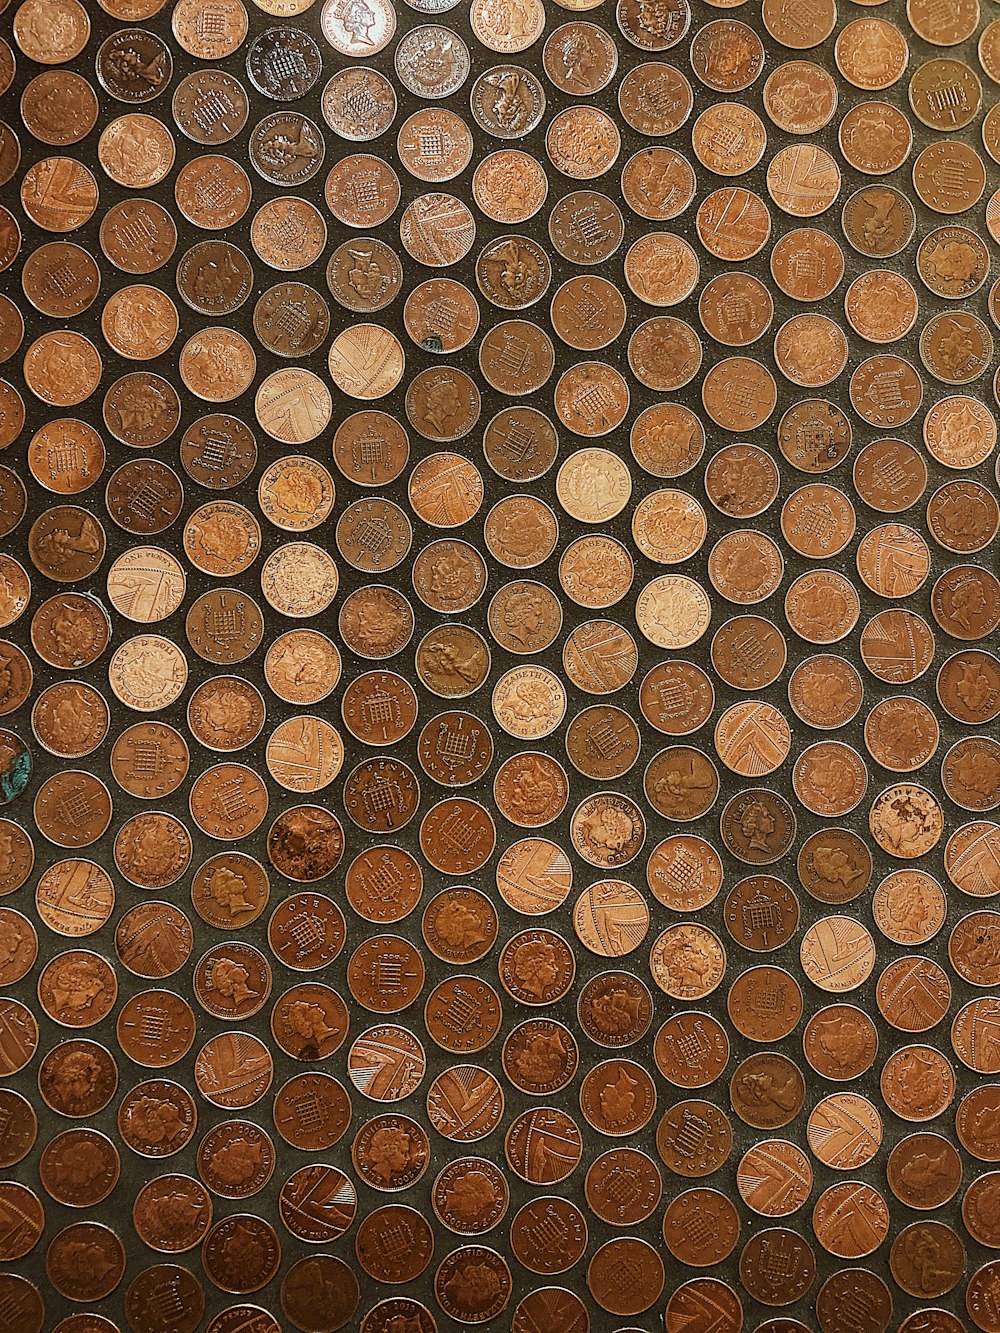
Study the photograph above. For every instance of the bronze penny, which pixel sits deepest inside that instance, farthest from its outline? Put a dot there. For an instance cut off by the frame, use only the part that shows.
(918, 1083)
(767, 1090)
(615, 1009)
(241, 1253)
(548, 1235)
(694, 1138)
(889, 475)
(460, 925)
(774, 1178)
(942, 1245)
(317, 1203)
(66, 456)
(306, 931)
(157, 1118)
(623, 1187)
(142, 410)
(309, 1021)
(144, 496)
(617, 1097)
(172, 1213)
(390, 1152)
(969, 774)
(72, 808)
(840, 1042)
(976, 1209)
(701, 1227)
(60, 279)
(233, 1070)
(909, 907)
(924, 1171)
(681, 783)
(758, 826)
(765, 1004)
(385, 974)
(224, 626)
(540, 1057)
(75, 897)
(210, 106)
(77, 989)
(382, 884)
(457, 836)
(59, 107)
(156, 1028)
(149, 760)
(691, 1050)
(312, 1111)
(143, 1295)
(602, 742)
(20, 1128)
(558, 1134)
(232, 980)
(462, 1015)
(76, 1078)
(92, 1282)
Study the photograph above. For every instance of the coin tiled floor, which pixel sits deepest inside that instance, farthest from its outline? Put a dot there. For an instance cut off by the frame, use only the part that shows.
(498, 676)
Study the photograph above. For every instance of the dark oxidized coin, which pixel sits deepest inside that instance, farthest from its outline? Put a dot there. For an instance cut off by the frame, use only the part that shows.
(284, 63)
(144, 1299)
(144, 496)
(215, 278)
(305, 843)
(134, 65)
(364, 275)
(287, 148)
(210, 106)
(218, 451)
(291, 319)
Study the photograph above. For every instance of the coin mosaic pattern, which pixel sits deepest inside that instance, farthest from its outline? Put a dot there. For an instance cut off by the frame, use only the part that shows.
(499, 666)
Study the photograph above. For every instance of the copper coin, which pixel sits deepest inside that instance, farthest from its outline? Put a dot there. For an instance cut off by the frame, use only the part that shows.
(312, 1111)
(969, 859)
(889, 475)
(76, 1078)
(460, 925)
(59, 107)
(172, 1213)
(765, 1004)
(548, 1235)
(157, 1118)
(233, 1070)
(691, 1050)
(241, 1253)
(309, 1021)
(774, 1178)
(767, 1090)
(464, 1119)
(156, 1028)
(224, 626)
(559, 1137)
(235, 1159)
(390, 1152)
(94, 1281)
(317, 1203)
(694, 1138)
(945, 1251)
(976, 1209)
(21, 1128)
